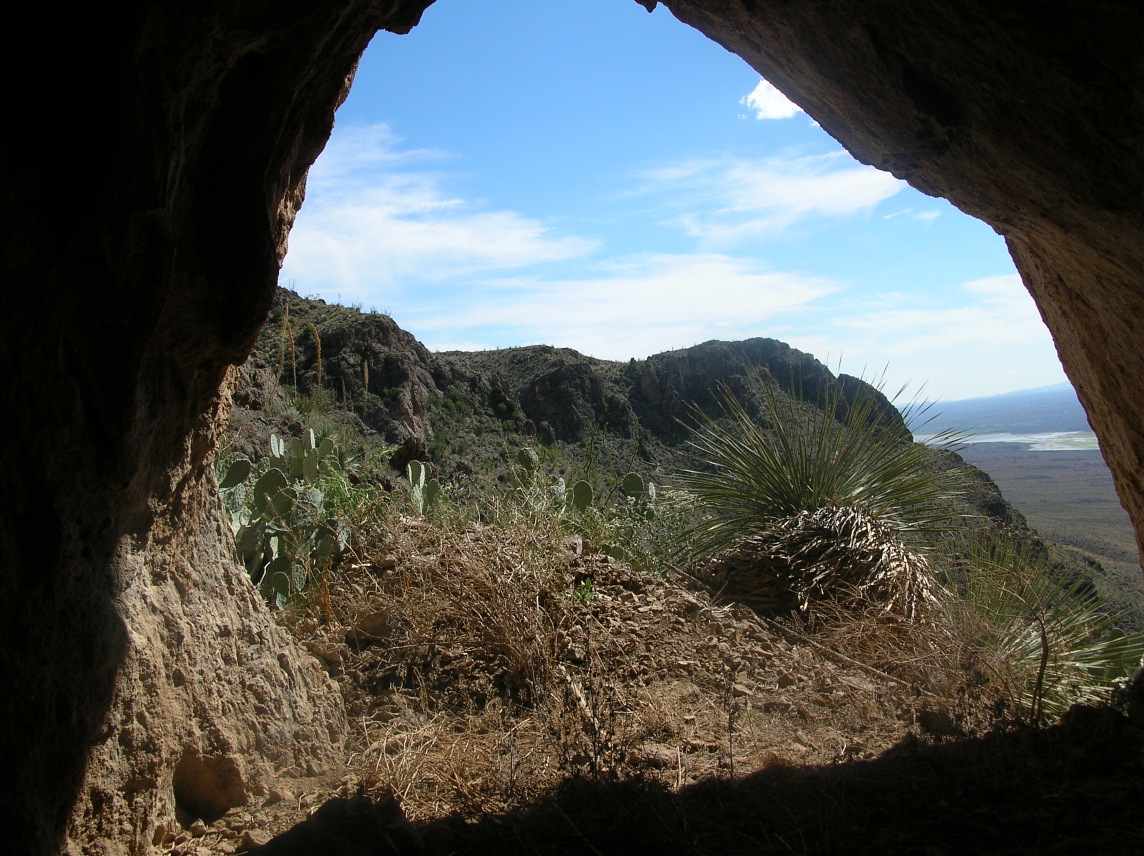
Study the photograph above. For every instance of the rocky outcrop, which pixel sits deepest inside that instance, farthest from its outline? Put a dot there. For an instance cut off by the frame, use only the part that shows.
(380, 373)
(141, 238)
(213, 698)
(666, 386)
(159, 152)
(354, 357)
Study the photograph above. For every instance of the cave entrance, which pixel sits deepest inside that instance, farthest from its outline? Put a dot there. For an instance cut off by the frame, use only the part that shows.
(617, 183)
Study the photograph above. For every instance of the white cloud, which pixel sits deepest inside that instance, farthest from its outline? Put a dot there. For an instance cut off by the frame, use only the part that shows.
(993, 341)
(926, 217)
(726, 199)
(634, 307)
(373, 223)
(769, 103)
(359, 151)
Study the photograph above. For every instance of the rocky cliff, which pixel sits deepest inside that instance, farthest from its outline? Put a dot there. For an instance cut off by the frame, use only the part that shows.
(364, 363)
(460, 410)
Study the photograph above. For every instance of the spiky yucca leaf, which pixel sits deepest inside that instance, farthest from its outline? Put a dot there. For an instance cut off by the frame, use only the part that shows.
(839, 455)
(835, 554)
(1044, 637)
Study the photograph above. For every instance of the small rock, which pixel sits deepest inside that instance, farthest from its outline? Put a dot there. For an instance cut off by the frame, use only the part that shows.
(252, 838)
(278, 795)
(198, 829)
(657, 756)
(164, 835)
(307, 627)
(372, 628)
(329, 655)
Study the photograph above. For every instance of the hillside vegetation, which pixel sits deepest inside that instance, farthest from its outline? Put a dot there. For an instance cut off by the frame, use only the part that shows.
(569, 613)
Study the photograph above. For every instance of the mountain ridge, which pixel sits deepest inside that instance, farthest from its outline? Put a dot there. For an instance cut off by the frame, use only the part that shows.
(466, 412)
(436, 404)
(1039, 410)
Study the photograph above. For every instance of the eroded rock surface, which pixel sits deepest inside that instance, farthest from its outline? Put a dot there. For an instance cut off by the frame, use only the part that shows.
(213, 699)
(162, 156)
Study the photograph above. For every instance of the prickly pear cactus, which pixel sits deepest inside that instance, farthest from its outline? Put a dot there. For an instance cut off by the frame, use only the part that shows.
(282, 530)
(424, 494)
(581, 498)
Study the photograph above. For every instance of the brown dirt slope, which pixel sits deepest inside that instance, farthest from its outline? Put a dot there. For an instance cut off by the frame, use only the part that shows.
(518, 693)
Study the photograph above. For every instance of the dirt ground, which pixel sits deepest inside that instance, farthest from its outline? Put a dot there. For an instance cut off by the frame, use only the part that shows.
(520, 694)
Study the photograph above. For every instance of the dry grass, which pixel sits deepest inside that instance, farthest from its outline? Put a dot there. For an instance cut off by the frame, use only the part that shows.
(486, 666)
(831, 556)
(519, 696)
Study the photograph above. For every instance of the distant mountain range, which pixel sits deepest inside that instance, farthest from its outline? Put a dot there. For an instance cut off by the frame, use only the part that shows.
(1028, 411)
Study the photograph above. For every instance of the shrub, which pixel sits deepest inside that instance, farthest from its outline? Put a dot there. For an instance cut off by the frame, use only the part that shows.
(822, 502)
(285, 535)
(1043, 638)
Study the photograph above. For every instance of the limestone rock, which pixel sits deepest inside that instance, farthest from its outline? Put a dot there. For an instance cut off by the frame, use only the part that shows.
(213, 698)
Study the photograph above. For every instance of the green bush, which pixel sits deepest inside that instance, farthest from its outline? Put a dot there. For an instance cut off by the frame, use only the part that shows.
(809, 458)
(821, 503)
(424, 493)
(285, 534)
(620, 520)
(1045, 639)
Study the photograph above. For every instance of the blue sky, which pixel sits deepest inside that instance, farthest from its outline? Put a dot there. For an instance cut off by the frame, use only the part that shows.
(582, 173)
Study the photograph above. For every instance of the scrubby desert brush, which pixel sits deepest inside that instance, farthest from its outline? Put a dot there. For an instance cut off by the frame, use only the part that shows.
(820, 503)
(836, 553)
(1044, 639)
(294, 513)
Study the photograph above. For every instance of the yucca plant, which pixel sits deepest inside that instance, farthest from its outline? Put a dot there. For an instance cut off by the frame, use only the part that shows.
(810, 499)
(1045, 638)
(837, 553)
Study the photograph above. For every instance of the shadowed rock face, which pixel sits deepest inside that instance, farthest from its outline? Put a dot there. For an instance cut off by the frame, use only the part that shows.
(157, 157)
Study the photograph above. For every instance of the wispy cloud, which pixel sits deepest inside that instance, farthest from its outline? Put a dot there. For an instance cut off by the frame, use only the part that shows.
(729, 199)
(991, 338)
(998, 312)
(927, 216)
(631, 308)
(769, 103)
(377, 218)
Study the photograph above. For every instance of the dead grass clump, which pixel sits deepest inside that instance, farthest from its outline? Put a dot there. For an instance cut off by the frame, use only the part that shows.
(840, 555)
(469, 666)
(489, 666)
(950, 696)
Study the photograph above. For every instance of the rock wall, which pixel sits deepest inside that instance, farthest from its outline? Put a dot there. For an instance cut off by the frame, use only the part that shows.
(213, 699)
(155, 166)
(157, 155)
